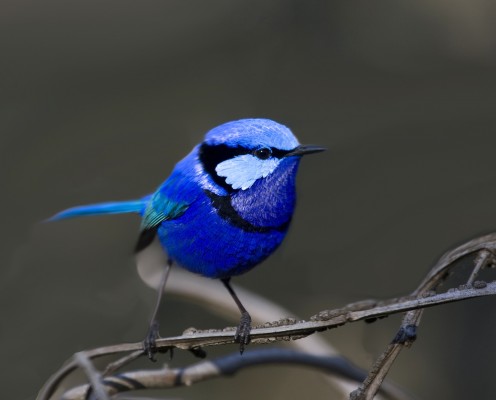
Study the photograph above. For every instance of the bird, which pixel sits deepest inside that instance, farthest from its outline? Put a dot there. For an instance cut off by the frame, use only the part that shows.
(223, 210)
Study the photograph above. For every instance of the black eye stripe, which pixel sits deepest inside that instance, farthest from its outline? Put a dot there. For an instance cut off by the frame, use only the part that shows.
(212, 155)
(279, 153)
(215, 154)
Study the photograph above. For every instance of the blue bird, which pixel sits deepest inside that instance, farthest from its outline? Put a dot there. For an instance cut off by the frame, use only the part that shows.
(225, 207)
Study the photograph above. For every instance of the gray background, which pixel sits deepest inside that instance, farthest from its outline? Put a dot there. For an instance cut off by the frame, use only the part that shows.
(99, 99)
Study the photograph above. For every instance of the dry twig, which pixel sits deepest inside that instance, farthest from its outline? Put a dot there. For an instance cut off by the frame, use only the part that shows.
(220, 367)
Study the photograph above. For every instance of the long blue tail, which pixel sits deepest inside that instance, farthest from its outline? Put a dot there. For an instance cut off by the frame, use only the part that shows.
(121, 207)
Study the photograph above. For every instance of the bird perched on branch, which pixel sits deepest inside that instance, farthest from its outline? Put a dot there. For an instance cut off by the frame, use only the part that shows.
(225, 207)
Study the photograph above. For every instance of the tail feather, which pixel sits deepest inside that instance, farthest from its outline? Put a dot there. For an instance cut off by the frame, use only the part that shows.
(121, 207)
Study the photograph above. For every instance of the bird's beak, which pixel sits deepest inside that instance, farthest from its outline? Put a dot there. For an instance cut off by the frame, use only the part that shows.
(303, 149)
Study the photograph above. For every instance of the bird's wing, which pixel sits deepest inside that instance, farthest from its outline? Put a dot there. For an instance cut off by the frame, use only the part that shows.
(161, 208)
(165, 204)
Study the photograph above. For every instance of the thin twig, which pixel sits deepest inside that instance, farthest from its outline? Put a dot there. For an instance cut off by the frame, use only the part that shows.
(223, 366)
(118, 364)
(480, 262)
(93, 376)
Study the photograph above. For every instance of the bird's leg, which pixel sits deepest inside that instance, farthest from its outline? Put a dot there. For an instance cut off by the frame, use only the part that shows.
(242, 335)
(153, 330)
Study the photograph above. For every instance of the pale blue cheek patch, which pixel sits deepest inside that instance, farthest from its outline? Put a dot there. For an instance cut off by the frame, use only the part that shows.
(242, 171)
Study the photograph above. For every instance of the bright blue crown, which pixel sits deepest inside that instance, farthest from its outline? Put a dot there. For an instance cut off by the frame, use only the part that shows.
(251, 134)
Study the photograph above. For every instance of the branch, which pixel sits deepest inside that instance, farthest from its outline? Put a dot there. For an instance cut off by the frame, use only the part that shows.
(290, 329)
(220, 367)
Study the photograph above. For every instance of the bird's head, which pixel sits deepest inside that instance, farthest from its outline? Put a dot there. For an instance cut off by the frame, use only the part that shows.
(238, 153)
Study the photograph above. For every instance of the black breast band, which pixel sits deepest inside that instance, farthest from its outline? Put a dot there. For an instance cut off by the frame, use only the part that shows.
(226, 211)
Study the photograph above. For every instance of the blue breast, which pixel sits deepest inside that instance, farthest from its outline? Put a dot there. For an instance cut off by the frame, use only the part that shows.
(218, 236)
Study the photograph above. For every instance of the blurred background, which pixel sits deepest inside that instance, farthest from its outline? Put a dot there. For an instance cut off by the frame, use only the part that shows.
(99, 100)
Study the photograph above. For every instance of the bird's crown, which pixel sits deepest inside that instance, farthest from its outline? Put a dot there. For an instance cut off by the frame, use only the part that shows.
(251, 134)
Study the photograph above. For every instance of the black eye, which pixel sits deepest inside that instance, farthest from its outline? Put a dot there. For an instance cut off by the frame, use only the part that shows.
(263, 153)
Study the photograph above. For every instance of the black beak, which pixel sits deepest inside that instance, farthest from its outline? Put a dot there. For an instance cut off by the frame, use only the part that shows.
(303, 149)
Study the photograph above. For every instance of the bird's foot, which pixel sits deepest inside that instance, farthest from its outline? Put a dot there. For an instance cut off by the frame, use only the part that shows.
(149, 343)
(242, 335)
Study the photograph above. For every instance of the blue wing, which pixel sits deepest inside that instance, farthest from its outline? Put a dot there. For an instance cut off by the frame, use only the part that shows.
(170, 201)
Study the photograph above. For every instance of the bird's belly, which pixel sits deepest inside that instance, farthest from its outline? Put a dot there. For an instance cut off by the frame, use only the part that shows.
(206, 244)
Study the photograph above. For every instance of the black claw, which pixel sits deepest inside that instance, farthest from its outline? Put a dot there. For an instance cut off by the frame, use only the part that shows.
(198, 352)
(242, 335)
(149, 343)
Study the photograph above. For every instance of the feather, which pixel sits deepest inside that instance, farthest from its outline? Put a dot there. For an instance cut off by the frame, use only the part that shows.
(241, 172)
(120, 207)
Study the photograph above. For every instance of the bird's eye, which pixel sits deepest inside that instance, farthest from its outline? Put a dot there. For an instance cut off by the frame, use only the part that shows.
(263, 153)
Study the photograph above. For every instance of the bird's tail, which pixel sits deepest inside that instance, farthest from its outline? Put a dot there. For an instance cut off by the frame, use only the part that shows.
(121, 207)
